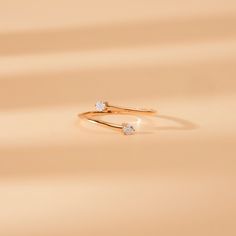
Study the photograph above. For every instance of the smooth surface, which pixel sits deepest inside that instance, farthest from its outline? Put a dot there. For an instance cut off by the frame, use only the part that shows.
(60, 176)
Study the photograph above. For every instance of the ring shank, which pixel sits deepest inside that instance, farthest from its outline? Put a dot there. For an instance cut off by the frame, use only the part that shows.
(89, 116)
(131, 110)
(113, 110)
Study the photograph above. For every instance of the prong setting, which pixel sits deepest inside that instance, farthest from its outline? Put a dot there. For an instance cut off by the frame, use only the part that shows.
(128, 129)
(100, 106)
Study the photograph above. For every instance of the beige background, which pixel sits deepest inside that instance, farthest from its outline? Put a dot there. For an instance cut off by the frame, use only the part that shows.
(62, 177)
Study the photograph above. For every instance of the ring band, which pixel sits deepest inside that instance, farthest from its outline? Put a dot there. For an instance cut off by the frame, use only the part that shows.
(104, 108)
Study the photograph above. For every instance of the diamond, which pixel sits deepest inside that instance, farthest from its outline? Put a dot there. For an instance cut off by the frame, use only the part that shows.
(100, 106)
(128, 129)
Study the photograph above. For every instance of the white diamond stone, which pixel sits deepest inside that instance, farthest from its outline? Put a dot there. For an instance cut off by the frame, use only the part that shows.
(100, 106)
(128, 129)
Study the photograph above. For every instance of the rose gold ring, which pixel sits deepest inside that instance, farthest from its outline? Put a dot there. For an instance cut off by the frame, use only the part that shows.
(105, 108)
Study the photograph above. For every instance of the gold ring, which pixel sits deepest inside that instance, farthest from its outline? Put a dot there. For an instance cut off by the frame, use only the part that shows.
(105, 108)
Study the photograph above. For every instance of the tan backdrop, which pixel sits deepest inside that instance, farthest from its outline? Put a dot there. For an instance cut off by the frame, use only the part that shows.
(61, 177)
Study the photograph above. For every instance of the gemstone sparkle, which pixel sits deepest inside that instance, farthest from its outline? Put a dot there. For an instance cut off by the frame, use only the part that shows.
(100, 106)
(128, 129)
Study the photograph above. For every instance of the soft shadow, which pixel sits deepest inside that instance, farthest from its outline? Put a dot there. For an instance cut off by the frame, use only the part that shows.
(179, 124)
(184, 124)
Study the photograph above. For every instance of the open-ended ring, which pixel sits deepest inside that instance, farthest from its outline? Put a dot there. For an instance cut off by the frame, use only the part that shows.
(104, 108)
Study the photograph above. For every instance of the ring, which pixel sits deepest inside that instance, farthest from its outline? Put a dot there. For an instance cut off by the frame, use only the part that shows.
(105, 108)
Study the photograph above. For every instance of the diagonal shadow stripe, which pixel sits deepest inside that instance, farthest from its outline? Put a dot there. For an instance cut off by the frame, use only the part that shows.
(74, 87)
(117, 35)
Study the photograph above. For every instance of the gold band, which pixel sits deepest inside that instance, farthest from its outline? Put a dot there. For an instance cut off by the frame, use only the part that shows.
(130, 110)
(104, 108)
